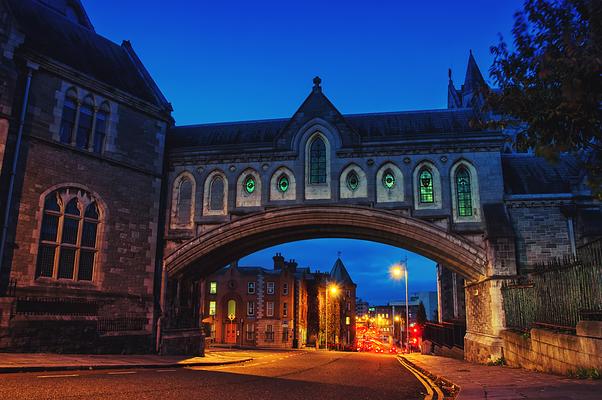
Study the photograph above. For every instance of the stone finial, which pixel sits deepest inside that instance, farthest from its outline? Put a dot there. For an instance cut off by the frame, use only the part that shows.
(317, 81)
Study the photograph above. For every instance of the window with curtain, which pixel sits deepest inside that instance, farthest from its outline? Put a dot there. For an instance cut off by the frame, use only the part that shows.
(68, 236)
(317, 161)
(463, 192)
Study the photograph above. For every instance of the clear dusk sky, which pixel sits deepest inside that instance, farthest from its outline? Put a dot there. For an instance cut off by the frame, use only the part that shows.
(239, 60)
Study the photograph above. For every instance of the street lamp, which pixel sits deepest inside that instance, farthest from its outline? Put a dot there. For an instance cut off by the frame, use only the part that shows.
(397, 272)
(333, 289)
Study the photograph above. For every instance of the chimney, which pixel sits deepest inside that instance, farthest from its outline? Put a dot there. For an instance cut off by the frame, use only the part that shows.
(292, 265)
(278, 261)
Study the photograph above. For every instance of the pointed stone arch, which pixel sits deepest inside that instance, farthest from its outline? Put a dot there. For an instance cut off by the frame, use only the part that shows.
(346, 188)
(215, 191)
(386, 192)
(277, 190)
(248, 189)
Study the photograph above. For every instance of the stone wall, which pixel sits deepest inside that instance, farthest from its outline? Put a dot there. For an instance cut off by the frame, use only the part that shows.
(553, 352)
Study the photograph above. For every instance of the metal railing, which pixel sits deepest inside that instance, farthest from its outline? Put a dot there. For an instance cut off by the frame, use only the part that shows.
(104, 325)
(449, 334)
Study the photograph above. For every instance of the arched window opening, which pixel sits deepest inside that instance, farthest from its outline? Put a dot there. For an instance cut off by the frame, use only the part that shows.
(463, 192)
(425, 180)
(184, 206)
(68, 236)
(283, 183)
(216, 194)
(353, 181)
(389, 179)
(317, 163)
(100, 129)
(249, 184)
(86, 114)
(231, 308)
(68, 117)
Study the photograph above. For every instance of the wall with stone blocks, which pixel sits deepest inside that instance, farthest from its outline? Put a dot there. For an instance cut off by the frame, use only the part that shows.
(548, 351)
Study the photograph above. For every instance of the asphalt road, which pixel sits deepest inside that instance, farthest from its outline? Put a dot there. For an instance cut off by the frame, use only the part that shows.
(271, 375)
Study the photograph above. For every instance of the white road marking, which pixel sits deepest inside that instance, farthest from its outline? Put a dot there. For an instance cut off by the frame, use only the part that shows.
(58, 376)
(166, 370)
(121, 373)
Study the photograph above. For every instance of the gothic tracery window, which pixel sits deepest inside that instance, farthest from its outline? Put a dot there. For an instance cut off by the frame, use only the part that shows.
(317, 162)
(216, 194)
(68, 236)
(353, 181)
(425, 181)
(283, 183)
(389, 179)
(184, 202)
(249, 184)
(463, 192)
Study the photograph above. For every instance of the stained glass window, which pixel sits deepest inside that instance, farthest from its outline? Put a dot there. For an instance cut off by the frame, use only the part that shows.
(250, 184)
(463, 192)
(425, 180)
(317, 162)
(353, 181)
(283, 183)
(389, 179)
(68, 245)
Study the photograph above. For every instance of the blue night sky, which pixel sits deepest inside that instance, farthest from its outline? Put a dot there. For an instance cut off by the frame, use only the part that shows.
(238, 60)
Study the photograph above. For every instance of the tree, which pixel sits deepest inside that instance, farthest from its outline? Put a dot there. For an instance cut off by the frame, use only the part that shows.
(550, 86)
(421, 315)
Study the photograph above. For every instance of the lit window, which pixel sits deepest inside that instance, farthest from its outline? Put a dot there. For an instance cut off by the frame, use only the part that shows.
(463, 192)
(317, 161)
(213, 287)
(347, 320)
(270, 288)
(389, 179)
(251, 288)
(425, 179)
(231, 308)
(68, 236)
(285, 289)
(250, 184)
(269, 309)
(250, 308)
(353, 181)
(283, 183)
(212, 307)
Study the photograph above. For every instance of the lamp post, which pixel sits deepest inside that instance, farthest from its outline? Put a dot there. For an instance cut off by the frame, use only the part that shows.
(333, 289)
(398, 272)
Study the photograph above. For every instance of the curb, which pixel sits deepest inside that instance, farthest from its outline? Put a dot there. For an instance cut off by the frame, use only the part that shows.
(88, 367)
(446, 384)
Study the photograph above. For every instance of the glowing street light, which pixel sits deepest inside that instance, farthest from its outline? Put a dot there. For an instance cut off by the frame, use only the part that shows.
(397, 272)
(333, 289)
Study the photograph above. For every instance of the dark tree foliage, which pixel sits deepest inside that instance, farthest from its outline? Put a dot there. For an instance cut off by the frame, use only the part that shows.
(550, 86)
(421, 315)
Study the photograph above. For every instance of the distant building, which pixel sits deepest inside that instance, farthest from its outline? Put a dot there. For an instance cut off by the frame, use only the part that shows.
(361, 308)
(428, 298)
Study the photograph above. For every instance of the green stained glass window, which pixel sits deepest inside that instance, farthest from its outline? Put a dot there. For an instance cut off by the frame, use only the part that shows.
(317, 161)
(389, 179)
(463, 192)
(250, 184)
(353, 181)
(425, 180)
(283, 183)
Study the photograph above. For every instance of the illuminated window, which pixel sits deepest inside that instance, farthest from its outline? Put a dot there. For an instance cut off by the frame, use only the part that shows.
(68, 237)
(213, 287)
(463, 192)
(317, 161)
(269, 309)
(425, 180)
(353, 181)
(389, 179)
(250, 308)
(232, 308)
(212, 307)
(347, 320)
(251, 288)
(270, 287)
(250, 184)
(283, 183)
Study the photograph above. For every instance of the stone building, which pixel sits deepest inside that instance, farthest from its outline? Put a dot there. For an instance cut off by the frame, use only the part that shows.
(82, 127)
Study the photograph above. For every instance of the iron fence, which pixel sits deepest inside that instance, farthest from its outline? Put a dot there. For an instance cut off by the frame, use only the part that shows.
(559, 293)
(104, 325)
(450, 334)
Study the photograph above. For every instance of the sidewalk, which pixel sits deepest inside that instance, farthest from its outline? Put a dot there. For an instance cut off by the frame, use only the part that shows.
(24, 362)
(496, 382)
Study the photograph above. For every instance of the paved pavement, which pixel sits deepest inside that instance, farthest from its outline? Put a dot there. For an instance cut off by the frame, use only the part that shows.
(23, 362)
(496, 382)
(293, 375)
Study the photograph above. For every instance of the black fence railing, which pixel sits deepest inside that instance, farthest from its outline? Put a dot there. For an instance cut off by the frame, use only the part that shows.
(56, 306)
(449, 334)
(105, 325)
(559, 293)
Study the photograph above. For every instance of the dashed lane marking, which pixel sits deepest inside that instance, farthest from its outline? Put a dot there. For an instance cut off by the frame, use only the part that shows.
(121, 373)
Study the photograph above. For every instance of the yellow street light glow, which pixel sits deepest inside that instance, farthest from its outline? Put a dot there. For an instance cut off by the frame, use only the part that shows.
(396, 271)
(397, 319)
(333, 289)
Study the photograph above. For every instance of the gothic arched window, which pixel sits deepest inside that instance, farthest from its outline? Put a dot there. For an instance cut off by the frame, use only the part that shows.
(249, 184)
(463, 192)
(353, 181)
(389, 179)
(317, 161)
(283, 183)
(68, 117)
(216, 194)
(68, 236)
(184, 206)
(100, 128)
(425, 181)
(86, 116)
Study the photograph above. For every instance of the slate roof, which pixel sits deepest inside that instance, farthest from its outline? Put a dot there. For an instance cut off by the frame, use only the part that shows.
(528, 174)
(371, 127)
(339, 273)
(51, 34)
